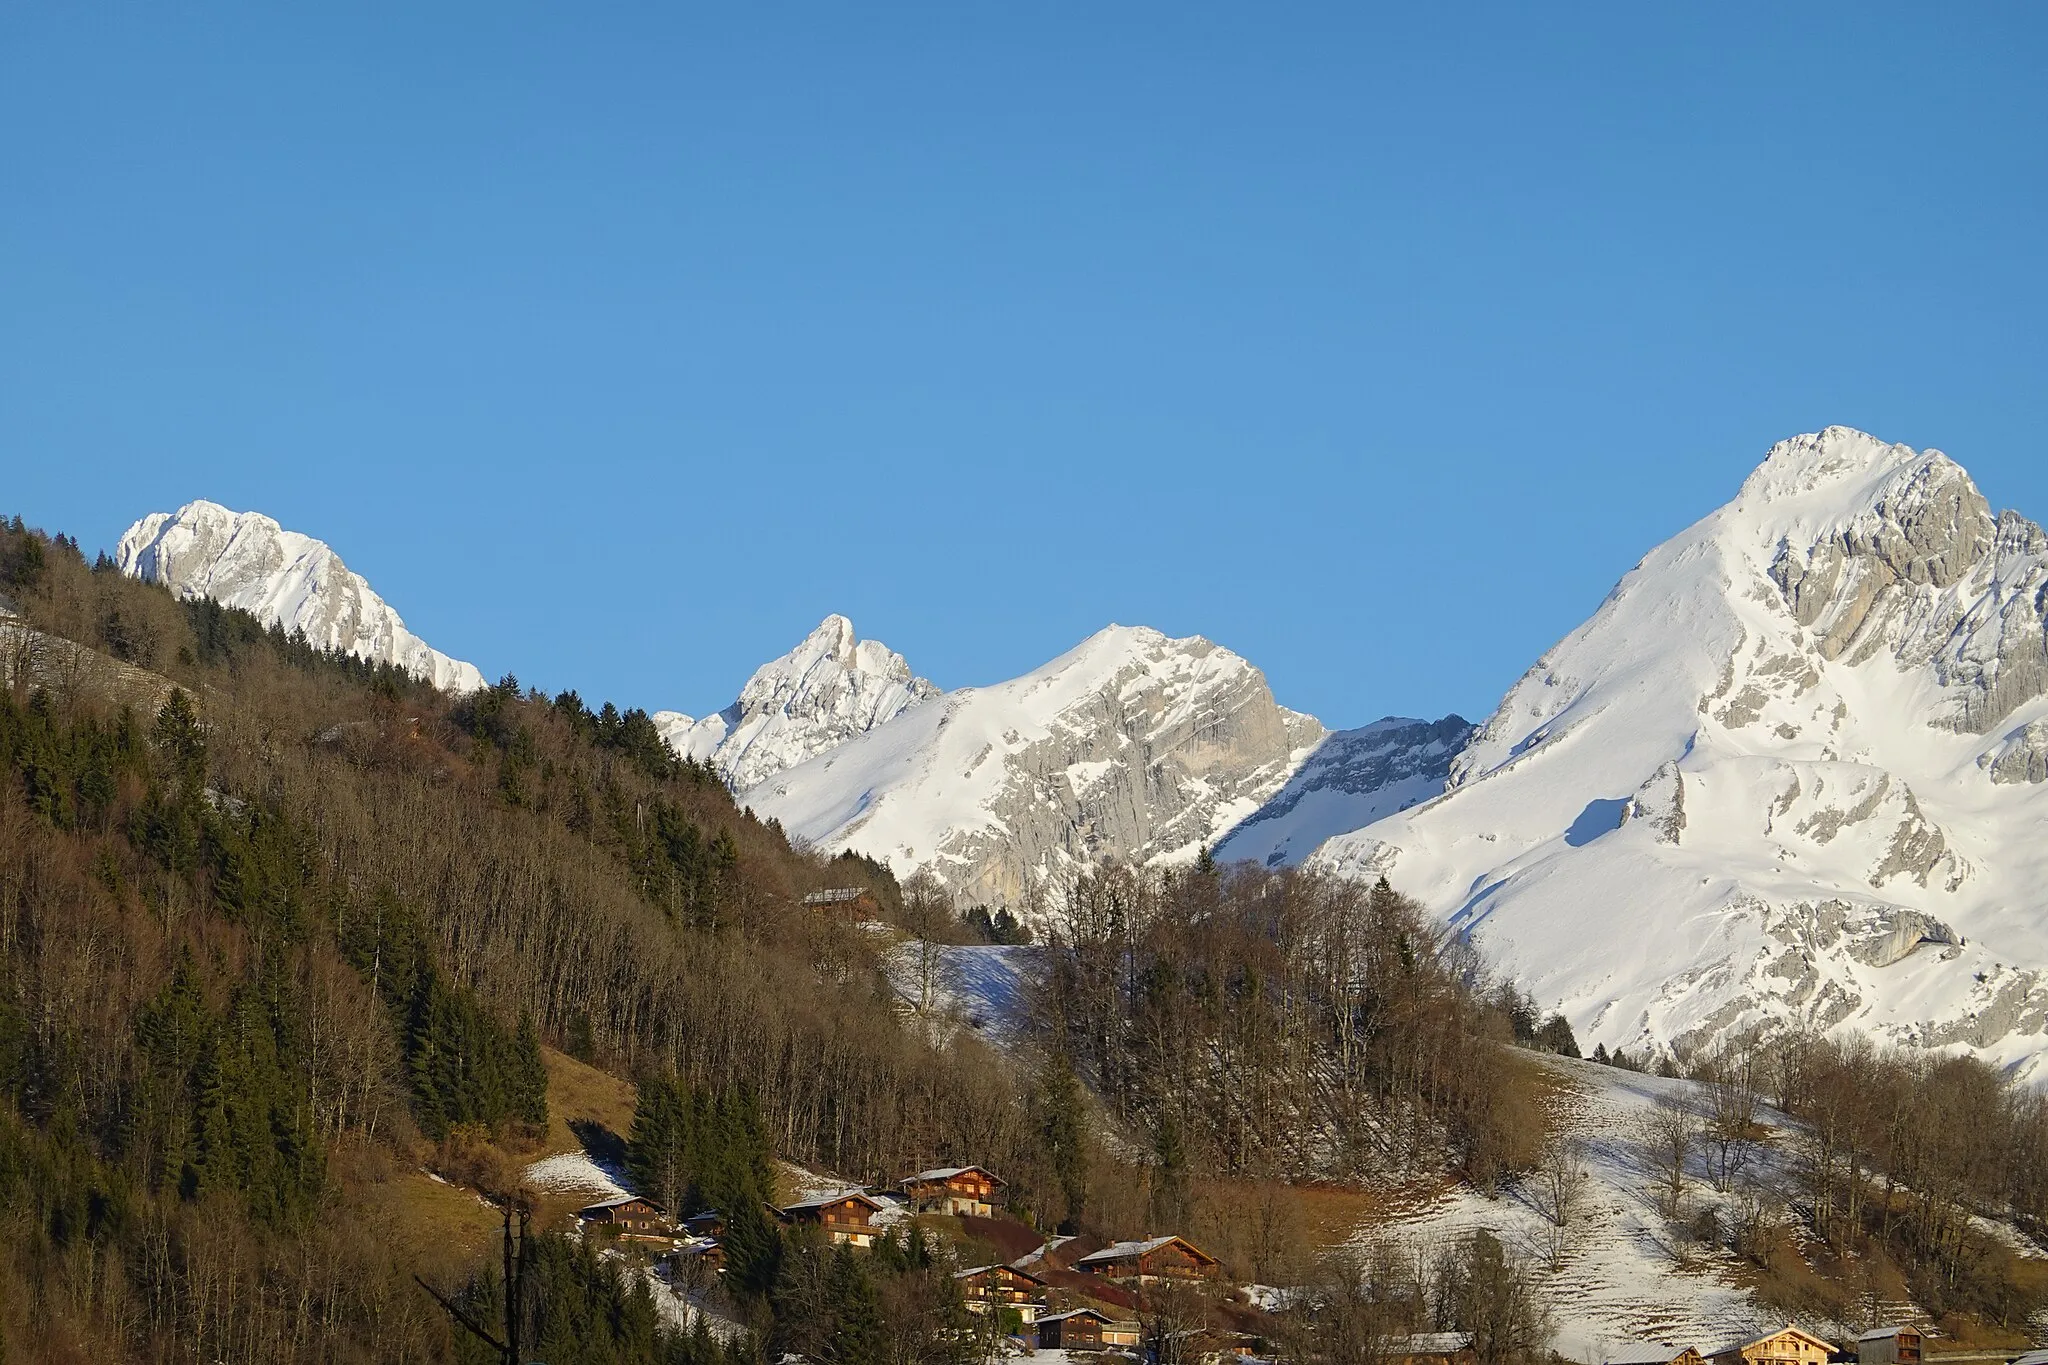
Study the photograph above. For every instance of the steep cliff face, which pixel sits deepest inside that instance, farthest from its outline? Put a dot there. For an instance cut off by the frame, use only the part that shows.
(824, 692)
(1790, 771)
(1353, 778)
(1131, 745)
(246, 560)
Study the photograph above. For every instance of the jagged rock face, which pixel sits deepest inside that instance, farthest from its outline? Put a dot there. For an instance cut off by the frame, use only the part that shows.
(1353, 778)
(1792, 771)
(246, 560)
(1132, 745)
(824, 692)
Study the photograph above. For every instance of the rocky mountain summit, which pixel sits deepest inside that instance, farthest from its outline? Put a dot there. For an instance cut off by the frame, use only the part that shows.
(1131, 745)
(1792, 771)
(1353, 778)
(829, 689)
(283, 578)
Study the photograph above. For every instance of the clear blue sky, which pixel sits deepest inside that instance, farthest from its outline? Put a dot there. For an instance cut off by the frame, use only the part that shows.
(617, 346)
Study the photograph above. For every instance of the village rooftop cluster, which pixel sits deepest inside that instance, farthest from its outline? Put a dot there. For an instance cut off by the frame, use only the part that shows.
(1045, 1288)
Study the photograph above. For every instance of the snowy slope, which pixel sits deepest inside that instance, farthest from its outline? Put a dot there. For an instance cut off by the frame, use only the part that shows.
(1130, 745)
(1612, 1274)
(1792, 769)
(246, 560)
(828, 689)
(1353, 778)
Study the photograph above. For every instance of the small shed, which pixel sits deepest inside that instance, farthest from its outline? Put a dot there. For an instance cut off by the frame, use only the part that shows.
(962, 1190)
(854, 903)
(1085, 1329)
(1889, 1346)
(1430, 1348)
(1652, 1353)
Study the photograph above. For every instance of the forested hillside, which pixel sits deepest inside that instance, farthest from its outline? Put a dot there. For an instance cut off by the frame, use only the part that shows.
(275, 938)
(279, 927)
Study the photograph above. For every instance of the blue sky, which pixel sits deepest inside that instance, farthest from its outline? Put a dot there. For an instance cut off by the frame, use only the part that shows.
(617, 346)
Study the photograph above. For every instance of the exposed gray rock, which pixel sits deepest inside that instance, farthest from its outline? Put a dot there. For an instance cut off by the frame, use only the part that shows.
(2023, 757)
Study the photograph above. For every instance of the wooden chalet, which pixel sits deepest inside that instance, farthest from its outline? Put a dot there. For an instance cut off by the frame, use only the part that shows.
(967, 1191)
(1652, 1353)
(629, 1216)
(1889, 1346)
(852, 903)
(1788, 1345)
(988, 1288)
(1084, 1329)
(1150, 1262)
(848, 1216)
(1430, 1348)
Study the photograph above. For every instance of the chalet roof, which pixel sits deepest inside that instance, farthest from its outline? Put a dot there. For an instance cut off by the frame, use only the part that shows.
(819, 1201)
(984, 1269)
(837, 895)
(1036, 1255)
(1741, 1342)
(1880, 1333)
(1644, 1353)
(1433, 1343)
(1073, 1313)
(696, 1246)
(1127, 1251)
(939, 1173)
(2033, 1358)
(618, 1202)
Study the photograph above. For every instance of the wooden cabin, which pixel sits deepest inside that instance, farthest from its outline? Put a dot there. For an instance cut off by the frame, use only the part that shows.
(1652, 1353)
(854, 904)
(1084, 1329)
(707, 1252)
(961, 1190)
(1430, 1348)
(989, 1287)
(1889, 1346)
(709, 1223)
(1151, 1261)
(848, 1216)
(1788, 1345)
(629, 1216)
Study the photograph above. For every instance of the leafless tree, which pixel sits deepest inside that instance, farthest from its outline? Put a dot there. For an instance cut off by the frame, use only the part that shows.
(1669, 1133)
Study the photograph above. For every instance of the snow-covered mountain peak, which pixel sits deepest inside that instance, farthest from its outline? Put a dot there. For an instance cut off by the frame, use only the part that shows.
(830, 688)
(1131, 744)
(1801, 738)
(284, 578)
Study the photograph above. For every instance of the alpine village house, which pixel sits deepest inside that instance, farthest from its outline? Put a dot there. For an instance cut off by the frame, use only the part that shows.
(966, 1191)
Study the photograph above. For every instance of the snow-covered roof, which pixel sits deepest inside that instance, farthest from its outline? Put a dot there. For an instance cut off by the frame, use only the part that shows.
(622, 1199)
(1037, 1254)
(939, 1173)
(819, 1201)
(837, 895)
(984, 1269)
(2032, 1358)
(1429, 1343)
(1880, 1333)
(1644, 1353)
(1075, 1313)
(1124, 1251)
